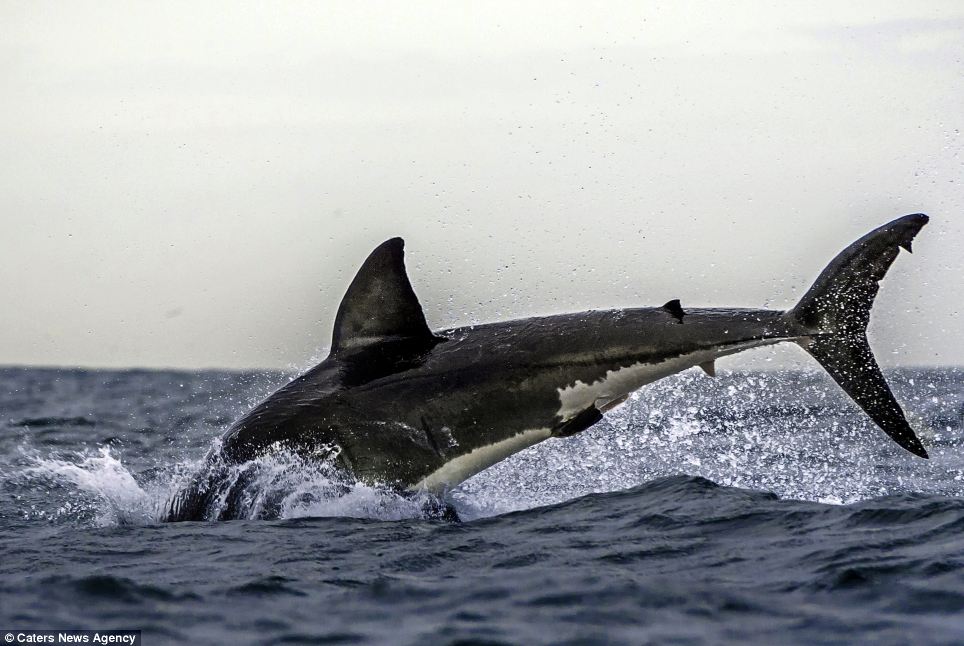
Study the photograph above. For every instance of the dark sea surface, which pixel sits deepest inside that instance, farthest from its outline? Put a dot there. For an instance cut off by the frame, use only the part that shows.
(750, 508)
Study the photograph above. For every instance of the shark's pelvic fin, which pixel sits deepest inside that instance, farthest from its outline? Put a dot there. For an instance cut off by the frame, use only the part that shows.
(837, 310)
(579, 423)
(709, 367)
(675, 310)
(380, 304)
(608, 406)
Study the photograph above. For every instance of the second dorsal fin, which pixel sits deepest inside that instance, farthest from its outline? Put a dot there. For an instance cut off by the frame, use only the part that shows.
(675, 309)
(380, 304)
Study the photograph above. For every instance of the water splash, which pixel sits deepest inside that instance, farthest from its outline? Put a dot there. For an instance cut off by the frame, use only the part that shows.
(109, 492)
(283, 484)
(97, 488)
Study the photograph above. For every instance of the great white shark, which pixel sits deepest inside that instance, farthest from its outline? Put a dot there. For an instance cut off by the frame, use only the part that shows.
(400, 405)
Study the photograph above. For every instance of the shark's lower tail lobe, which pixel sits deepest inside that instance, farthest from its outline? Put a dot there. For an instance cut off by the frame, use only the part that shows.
(837, 310)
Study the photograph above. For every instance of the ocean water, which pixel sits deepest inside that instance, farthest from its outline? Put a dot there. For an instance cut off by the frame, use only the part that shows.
(750, 508)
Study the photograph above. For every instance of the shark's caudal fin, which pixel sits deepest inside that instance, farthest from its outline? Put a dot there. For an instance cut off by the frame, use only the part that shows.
(837, 310)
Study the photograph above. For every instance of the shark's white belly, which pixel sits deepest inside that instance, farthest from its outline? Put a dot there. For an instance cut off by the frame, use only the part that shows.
(467, 465)
(617, 384)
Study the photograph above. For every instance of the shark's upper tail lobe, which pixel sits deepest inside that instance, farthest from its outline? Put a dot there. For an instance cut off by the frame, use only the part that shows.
(837, 310)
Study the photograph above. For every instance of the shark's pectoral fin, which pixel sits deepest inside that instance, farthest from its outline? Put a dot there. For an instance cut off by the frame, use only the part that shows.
(709, 367)
(380, 304)
(577, 424)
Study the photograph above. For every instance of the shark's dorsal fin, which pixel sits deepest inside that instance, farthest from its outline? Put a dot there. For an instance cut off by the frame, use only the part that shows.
(380, 304)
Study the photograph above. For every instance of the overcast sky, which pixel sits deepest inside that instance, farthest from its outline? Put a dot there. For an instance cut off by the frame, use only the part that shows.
(195, 184)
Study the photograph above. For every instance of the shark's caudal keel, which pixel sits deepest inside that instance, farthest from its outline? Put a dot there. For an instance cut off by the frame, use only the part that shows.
(397, 404)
